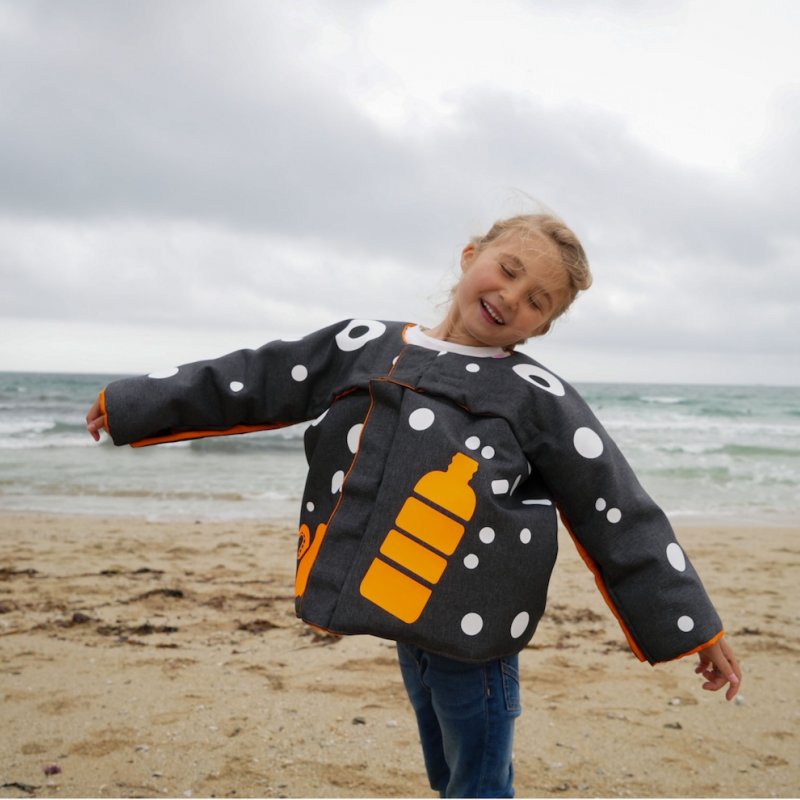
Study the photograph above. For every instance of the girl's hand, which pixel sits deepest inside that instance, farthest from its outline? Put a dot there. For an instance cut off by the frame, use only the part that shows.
(95, 422)
(718, 665)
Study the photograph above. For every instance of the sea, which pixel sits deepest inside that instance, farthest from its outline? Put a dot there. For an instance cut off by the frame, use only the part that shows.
(704, 453)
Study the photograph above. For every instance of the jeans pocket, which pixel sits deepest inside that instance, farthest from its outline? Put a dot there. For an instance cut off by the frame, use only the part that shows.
(511, 691)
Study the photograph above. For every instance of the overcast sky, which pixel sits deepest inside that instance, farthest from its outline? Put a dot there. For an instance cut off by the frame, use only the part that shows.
(181, 178)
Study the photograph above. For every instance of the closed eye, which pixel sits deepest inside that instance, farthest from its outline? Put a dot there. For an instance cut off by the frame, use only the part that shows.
(508, 270)
(541, 300)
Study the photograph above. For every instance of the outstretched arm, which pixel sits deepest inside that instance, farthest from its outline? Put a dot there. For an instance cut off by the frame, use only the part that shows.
(718, 665)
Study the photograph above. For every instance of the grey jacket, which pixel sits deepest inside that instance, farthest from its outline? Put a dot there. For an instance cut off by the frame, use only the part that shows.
(435, 474)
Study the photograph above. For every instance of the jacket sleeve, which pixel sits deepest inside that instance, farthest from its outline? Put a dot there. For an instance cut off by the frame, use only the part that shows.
(623, 536)
(279, 384)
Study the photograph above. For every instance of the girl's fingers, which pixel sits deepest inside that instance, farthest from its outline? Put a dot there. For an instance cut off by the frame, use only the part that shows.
(94, 426)
(94, 420)
(719, 667)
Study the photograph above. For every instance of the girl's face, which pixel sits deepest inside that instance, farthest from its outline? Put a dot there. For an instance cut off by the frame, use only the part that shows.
(510, 291)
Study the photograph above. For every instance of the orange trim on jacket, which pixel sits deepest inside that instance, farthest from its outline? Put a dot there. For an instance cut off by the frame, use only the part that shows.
(700, 647)
(604, 591)
(184, 435)
(610, 603)
(102, 400)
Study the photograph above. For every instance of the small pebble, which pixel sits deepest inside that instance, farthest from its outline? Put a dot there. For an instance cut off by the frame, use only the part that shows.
(359, 721)
(51, 769)
(738, 700)
(676, 701)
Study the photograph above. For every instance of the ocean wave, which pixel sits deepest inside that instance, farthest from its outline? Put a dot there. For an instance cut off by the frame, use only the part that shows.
(248, 443)
(757, 451)
(161, 494)
(62, 442)
(663, 400)
(711, 474)
(25, 426)
(747, 451)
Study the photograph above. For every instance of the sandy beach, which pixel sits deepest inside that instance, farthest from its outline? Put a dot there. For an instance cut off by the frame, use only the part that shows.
(164, 659)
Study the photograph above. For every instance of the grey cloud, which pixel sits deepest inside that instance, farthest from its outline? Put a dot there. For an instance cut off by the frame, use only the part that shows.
(158, 112)
(146, 110)
(128, 115)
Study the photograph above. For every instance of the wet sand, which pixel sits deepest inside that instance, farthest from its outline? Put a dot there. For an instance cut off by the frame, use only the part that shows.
(164, 659)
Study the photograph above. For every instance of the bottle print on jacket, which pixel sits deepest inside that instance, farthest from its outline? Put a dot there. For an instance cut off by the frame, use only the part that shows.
(406, 429)
(433, 534)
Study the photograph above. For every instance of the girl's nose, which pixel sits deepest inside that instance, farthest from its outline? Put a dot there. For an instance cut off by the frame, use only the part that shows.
(509, 298)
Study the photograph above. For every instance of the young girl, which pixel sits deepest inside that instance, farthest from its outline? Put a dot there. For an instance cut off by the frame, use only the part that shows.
(437, 461)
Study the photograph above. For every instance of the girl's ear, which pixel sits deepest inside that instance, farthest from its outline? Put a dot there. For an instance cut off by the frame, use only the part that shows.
(467, 254)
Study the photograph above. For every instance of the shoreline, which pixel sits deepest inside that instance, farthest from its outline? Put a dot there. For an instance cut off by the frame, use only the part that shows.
(678, 521)
(164, 659)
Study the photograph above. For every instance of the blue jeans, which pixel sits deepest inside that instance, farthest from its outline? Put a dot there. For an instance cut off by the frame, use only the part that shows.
(465, 713)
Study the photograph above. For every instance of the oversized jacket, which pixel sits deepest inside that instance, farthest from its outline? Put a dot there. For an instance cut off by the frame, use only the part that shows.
(435, 475)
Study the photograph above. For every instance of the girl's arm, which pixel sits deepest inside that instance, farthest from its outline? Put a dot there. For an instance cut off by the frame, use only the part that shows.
(626, 540)
(279, 384)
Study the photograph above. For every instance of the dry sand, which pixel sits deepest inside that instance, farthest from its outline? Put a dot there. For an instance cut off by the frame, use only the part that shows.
(164, 659)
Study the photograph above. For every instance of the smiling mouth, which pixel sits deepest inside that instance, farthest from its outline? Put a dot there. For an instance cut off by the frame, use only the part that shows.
(493, 315)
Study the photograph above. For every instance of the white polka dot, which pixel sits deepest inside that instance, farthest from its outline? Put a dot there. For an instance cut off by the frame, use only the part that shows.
(353, 436)
(394, 360)
(587, 443)
(520, 624)
(336, 481)
(488, 452)
(473, 443)
(473, 368)
(516, 483)
(163, 373)
(600, 505)
(540, 378)
(486, 535)
(421, 419)
(236, 386)
(299, 373)
(345, 341)
(614, 515)
(309, 506)
(499, 487)
(686, 624)
(471, 561)
(472, 624)
(525, 535)
(676, 557)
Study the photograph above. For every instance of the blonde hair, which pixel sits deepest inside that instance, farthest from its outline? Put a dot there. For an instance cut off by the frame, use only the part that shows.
(573, 256)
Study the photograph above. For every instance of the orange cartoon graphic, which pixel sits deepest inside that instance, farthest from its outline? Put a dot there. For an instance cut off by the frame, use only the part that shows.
(423, 536)
(306, 556)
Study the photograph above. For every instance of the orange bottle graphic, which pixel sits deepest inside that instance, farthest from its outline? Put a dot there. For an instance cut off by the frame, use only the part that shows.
(422, 537)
